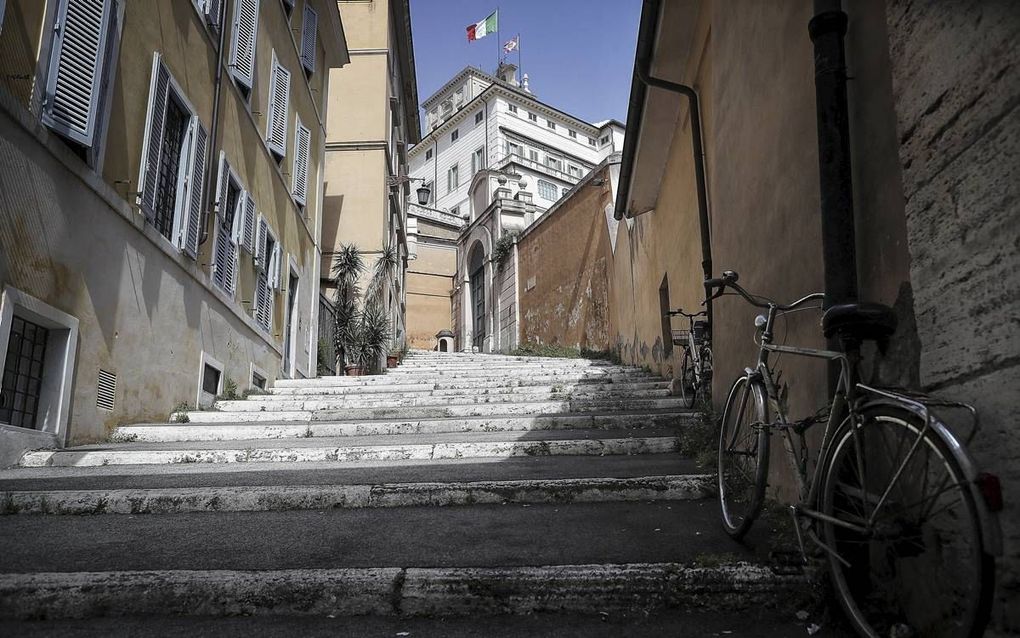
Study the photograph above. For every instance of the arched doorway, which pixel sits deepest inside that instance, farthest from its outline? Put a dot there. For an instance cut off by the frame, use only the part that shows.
(476, 275)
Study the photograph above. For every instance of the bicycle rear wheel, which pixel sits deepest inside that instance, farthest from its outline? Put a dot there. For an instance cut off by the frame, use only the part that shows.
(743, 457)
(914, 561)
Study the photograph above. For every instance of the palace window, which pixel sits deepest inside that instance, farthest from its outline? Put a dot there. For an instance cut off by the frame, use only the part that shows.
(551, 124)
(478, 117)
(454, 136)
(547, 190)
(533, 117)
(572, 134)
(452, 179)
(478, 160)
(428, 154)
(512, 108)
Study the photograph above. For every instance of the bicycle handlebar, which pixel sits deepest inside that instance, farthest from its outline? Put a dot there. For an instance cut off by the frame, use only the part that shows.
(680, 311)
(729, 280)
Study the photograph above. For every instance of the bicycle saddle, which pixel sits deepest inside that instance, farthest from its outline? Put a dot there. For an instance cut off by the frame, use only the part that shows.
(872, 321)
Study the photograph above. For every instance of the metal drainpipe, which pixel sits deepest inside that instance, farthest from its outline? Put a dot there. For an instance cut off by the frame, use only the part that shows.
(214, 129)
(642, 68)
(827, 29)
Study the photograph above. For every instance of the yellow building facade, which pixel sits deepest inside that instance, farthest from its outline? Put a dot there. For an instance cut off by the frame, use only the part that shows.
(162, 171)
(373, 119)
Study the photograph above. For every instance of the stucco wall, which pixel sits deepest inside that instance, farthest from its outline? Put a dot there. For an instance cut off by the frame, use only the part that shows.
(146, 312)
(564, 286)
(956, 80)
(429, 290)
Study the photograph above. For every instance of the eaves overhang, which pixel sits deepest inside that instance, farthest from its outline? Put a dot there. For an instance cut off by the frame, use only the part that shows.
(665, 40)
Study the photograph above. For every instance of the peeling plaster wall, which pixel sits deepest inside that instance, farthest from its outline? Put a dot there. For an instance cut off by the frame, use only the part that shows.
(564, 284)
(956, 80)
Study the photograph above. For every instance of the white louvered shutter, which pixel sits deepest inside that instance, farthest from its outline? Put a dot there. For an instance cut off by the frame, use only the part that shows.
(237, 229)
(309, 29)
(279, 96)
(77, 62)
(302, 150)
(264, 303)
(224, 270)
(222, 182)
(195, 184)
(277, 267)
(248, 228)
(242, 53)
(260, 244)
(153, 137)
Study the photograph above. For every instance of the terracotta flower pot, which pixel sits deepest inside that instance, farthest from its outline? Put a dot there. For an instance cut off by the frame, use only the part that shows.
(354, 371)
(392, 360)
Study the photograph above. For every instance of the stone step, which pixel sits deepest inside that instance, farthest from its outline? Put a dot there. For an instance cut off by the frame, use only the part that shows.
(151, 601)
(224, 426)
(468, 378)
(438, 407)
(196, 475)
(388, 447)
(305, 497)
(460, 536)
(477, 387)
(458, 397)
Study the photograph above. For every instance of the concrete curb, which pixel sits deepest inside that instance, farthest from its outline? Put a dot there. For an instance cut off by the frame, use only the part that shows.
(395, 591)
(317, 497)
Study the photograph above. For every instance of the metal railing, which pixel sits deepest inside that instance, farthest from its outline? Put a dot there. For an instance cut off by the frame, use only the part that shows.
(502, 163)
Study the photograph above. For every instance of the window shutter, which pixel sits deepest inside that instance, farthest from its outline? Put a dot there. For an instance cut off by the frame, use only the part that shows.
(242, 53)
(224, 269)
(237, 229)
(196, 183)
(248, 231)
(214, 12)
(279, 95)
(222, 182)
(302, 150)
(263, 303)
(260, 244)
(160, 84)
(76, 68)
(309, 29)
(277, 265)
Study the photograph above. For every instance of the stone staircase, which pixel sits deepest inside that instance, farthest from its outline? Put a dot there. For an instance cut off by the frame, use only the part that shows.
(455, 484)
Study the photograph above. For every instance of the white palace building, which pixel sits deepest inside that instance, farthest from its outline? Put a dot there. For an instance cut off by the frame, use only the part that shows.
(495, 158)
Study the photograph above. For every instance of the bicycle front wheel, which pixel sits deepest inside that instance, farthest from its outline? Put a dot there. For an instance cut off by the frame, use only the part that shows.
(743, 457)
(688, 385)
(905, 538)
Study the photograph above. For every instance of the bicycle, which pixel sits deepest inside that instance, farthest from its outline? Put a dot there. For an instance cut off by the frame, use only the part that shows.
(696, 367)
(895, 502)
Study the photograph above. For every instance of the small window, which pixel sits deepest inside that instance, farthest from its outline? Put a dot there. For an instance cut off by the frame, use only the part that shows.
(575, 171)
(533, 117)
(604, 140)
(210, 380)
(258, 381)
(572, 134)
(478, 117)
(591, 141)
(454, 136)
(455, 210)
(533, 155)
(551, 124)
(547, 190)
(513, 149)
(554, 162)
(478, 160)
(512, 108)
(452, 179)
(23, 373)
(428, 154)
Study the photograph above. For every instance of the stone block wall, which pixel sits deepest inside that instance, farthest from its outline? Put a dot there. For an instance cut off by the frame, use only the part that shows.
(956, 82)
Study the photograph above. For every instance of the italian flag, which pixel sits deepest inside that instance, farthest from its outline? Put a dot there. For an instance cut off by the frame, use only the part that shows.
(483, 28)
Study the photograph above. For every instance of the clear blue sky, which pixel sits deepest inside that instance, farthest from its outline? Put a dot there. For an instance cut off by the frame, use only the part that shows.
(578, 54)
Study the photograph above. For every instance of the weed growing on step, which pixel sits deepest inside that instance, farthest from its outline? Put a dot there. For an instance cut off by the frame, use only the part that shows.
(180, 413)
(229, 391)
(531, 349)
(700, 438)
(251, 392)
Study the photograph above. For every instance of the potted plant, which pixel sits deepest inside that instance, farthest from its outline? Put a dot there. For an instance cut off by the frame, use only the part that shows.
(347, 268)
(362, 328)
(392, 359)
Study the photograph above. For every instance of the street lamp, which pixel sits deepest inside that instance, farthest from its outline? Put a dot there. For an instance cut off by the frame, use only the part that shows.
(424, 192)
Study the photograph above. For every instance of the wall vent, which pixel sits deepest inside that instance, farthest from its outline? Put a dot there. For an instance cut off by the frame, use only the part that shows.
(106, 390)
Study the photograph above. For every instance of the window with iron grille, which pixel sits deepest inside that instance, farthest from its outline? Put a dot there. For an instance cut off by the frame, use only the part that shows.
(547, 190)
(23, 373)
(174, 128)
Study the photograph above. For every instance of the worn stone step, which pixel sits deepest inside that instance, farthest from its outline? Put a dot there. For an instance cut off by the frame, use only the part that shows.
(389, 447)
(455, 397)
(194, 475)
(438, 407)
(304, 497)
(277, 425)
(607, 590)
(479, 387)
(470, 378)
(459, 536)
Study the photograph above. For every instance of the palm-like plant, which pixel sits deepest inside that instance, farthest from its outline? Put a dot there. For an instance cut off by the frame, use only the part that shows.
(347, 268)
(362, 332)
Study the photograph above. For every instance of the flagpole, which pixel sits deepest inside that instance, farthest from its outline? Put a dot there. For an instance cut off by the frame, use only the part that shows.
(520, 68)
(499, 42)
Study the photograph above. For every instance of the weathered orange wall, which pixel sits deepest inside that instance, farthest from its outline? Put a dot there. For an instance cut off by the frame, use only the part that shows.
(564, 261)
